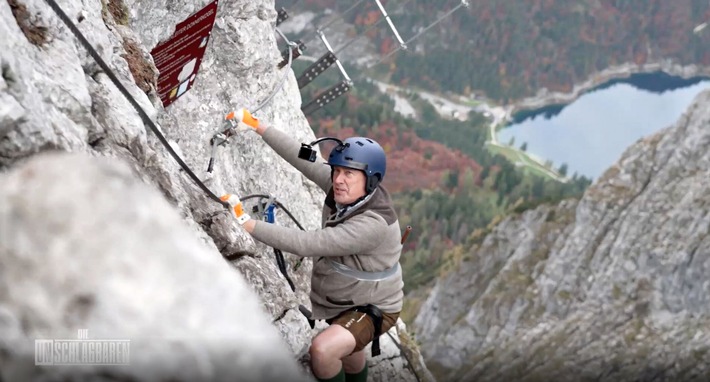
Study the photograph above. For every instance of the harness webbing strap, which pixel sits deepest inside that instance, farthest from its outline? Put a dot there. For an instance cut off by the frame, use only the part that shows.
(376, 315)
(363, 275)
(307, 313)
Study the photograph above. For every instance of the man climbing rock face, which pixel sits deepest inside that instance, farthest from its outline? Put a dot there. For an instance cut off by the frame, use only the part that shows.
(356, 284)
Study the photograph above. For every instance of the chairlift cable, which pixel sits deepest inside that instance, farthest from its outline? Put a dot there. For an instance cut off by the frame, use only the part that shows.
(440, 19)
(463, 3)
(352, 40)
(339, 16)
(369, 28)
(332, 21)
(391, 24)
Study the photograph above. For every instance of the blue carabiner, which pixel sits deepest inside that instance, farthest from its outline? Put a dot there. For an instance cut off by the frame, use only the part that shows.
(269, 213)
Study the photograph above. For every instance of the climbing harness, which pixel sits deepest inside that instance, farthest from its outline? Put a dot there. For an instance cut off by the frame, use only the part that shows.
(376, 340)
(376, 315)
(363, 275)
(371, 310)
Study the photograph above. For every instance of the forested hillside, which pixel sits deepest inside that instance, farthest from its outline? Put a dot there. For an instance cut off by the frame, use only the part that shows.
(508, 49)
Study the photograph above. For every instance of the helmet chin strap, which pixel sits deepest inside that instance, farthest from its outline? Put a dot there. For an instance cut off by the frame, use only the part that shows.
(347, 209)
(372, 182)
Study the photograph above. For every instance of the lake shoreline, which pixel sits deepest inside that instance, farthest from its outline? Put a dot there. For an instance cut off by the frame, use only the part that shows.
(602, 123)
(545, 98)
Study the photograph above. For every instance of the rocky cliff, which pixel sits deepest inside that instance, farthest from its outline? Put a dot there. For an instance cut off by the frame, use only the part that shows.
(612, 287)
(115, 237)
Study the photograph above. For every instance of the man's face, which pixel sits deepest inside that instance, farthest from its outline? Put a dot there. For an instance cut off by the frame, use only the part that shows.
(348, 184)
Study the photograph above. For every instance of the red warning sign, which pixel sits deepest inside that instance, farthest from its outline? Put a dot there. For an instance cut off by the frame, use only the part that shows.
(178, 59)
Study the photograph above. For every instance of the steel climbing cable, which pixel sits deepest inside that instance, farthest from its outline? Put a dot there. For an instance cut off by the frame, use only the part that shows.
(228, 132)
(143, 115)
(280, 260)
(290, 45)
(278, 204)
(390, 23)
(404, 354)
(146, 119)
(278, 88)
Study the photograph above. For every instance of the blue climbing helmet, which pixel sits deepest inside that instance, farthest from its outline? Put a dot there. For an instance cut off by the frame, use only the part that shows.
(362, 154)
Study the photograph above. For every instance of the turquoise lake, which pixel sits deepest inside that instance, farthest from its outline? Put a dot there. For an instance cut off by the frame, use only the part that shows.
(591, 133)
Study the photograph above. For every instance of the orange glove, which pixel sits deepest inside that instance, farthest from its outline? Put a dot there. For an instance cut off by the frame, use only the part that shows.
(243, 116)
(236, 206)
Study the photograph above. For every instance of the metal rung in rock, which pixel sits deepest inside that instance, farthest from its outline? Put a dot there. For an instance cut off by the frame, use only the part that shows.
(316, 69)
(296, 52)
(327, 97)
(282, 16)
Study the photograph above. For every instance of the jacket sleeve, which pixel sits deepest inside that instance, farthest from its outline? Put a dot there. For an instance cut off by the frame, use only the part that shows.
(287, 148)
(358, 235)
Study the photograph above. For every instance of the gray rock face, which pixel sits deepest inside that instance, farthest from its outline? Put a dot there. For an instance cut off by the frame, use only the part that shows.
(53, 96)
(97, 249)
(614, 286)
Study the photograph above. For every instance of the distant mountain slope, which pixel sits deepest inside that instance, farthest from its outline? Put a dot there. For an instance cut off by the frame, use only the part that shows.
(613, 287)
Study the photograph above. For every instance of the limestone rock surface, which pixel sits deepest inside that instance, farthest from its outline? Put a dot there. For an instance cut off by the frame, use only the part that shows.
(612, 287)
(54, 97)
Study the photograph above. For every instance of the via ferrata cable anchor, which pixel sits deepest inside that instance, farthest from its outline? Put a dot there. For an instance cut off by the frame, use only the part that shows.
(222, 137)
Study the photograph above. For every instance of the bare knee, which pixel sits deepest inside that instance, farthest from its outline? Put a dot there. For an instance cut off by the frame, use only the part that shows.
(319, 350)
(331, 345)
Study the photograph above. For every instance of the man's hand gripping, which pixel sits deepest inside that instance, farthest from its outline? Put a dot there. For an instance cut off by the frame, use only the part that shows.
(236, 207)
(242, 120)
